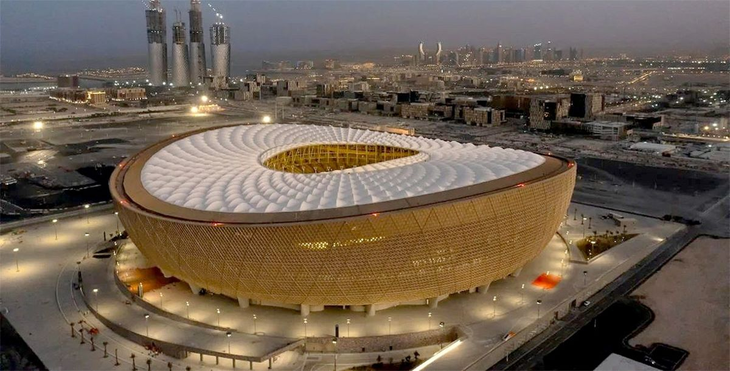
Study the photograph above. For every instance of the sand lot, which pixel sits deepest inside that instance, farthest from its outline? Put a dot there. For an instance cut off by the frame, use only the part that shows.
(691, 299)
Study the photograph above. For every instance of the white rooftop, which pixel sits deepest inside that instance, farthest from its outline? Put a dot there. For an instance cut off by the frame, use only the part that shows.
(221, 170)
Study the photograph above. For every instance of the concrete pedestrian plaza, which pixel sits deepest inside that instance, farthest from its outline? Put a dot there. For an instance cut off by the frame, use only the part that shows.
(40, 301)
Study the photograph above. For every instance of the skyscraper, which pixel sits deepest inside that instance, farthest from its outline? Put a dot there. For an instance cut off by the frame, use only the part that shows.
(156, 43)
(421, 56)
(220, 46)
(537, 52)
(198, 68)
(180, 58)
(498, 54)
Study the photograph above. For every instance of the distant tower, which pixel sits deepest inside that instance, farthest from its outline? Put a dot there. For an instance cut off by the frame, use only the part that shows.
(180, 58)
(498, 53)
(156, 43)
(439, 50)
(198, 68)
(537, 52)
(220, 47)
(421, 56)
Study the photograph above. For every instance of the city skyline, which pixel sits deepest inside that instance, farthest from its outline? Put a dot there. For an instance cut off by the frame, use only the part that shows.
(291, 29)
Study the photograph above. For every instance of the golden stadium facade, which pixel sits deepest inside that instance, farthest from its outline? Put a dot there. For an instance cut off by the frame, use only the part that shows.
(307, 216)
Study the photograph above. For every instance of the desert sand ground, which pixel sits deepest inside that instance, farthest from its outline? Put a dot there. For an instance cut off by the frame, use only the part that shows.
(690, 297)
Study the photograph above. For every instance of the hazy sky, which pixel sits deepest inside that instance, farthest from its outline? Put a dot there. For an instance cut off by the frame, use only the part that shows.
(53, 33)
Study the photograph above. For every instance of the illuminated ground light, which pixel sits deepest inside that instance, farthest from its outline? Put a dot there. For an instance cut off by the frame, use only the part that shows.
(547, 281)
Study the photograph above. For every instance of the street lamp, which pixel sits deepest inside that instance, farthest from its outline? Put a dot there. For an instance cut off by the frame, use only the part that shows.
(441, 344)
(429, 320)
(87, 244)
(538, 308)
(334, 342)
(96, 298)
(187, 308)
(204, 99)
(522, 294)
(348, 327)
(390, 319)
(116, 214)
(305, 327)
(146, 323)
(585, 274)
(15, 252)
(86, 207)
(161, 303)
(228, 334)
(254, 324)
(38, 125)
(494, 306)
(218, 310)
(55, 227)
(266, 119)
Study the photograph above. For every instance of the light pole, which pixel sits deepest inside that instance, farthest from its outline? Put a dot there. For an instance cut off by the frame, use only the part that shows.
(228, 334)
(96, 298)
(187, 308)
(585, 274)
(334, 341)
(593, 245)
(55, 227)
(86, 207)
(15, 252)
(218, 310)
(147, 324)
(161, 303)
(116, 215)
(429, 320)
(441, 344)
(522, 294)
(390, 319)
(305, 327)
(494, 306)
(348, 327)
(590, 219)
(87, 244)
(538, 302)
(254, 324)
(584, 228)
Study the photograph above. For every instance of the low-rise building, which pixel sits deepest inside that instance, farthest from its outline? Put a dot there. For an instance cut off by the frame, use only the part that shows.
(483, 116)
(416, 110)
(96, 97)
(656, 148)
(607, 130)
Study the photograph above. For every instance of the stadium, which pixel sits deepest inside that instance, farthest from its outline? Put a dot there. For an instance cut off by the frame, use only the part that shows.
(304, 216)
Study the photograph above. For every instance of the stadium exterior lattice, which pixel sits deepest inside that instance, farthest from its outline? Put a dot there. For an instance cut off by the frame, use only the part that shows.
(304, 216)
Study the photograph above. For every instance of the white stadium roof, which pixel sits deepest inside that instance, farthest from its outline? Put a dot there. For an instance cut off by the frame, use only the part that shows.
(221, 170)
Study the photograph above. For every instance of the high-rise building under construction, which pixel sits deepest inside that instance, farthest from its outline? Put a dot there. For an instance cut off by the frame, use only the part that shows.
(220, 40)
(156, 43)
(180, 58)
(198, 68)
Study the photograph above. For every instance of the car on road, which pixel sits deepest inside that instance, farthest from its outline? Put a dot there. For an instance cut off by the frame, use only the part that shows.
(586, 303)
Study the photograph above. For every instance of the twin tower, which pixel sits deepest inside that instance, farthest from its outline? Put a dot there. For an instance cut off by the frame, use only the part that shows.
(188, 67)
